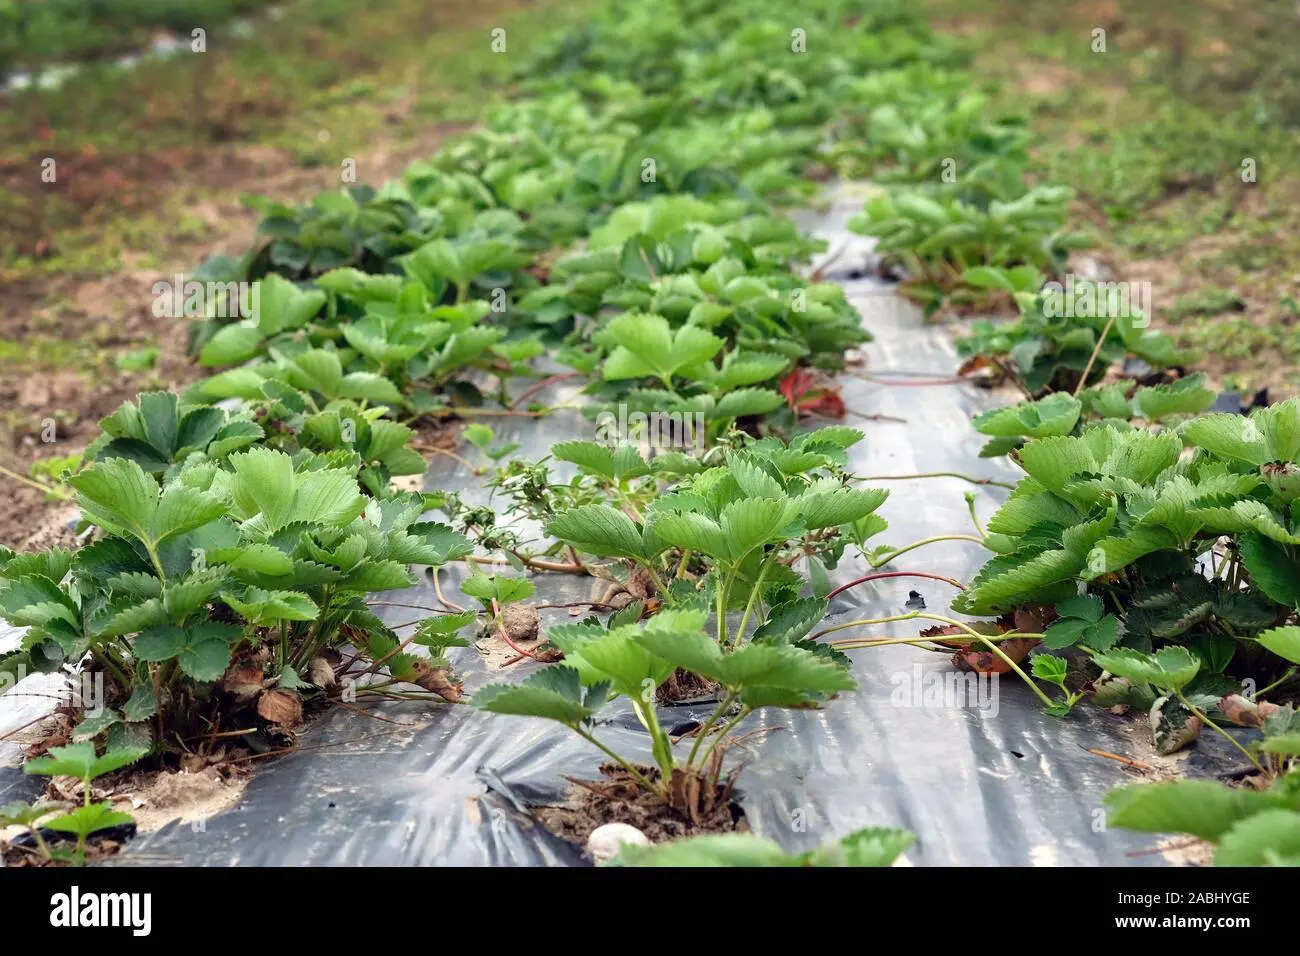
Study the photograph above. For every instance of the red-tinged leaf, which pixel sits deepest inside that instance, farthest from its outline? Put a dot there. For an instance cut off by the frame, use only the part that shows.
(1247, 713)
(795, 385)
(1028, 619)
(940, 631)
(803, 394)
(985, 661)
(826, 402)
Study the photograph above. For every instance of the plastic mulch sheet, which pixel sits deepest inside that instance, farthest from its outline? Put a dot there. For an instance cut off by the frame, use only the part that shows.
(989, 781)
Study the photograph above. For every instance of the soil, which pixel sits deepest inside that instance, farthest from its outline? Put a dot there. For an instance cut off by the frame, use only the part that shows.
(618, 799)
(1153, 767)
(683, 687)
(189, 797)
(55, 527)
(76, 324)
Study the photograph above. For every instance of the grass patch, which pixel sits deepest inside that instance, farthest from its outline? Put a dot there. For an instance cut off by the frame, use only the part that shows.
(1207, 301)
(325, 82)
(1177, 140)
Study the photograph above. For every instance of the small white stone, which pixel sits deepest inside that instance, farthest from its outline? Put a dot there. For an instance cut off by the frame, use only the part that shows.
(605, 841)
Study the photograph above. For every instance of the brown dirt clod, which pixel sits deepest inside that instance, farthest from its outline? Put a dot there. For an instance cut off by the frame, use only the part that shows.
(521, 622)
(618, 799)
(682, 686)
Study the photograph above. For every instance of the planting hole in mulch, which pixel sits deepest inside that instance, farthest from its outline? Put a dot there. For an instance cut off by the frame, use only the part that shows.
(618, 799)
(683, 687)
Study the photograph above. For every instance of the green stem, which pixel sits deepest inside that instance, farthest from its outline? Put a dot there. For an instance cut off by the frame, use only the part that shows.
(749, 605)
(85, 804)
(866, 622)
(724, 589)
(637, 775)
(992, 646)
(880, 562)
(308, 649)
(661, 745)
(975, 518)
(464, 411)
(408, 695)
(654, 576)
(982, 638)
(155, 559)
(629, 506)
(681, 565)
(856, 643)
(703, 732)
(940, 474)
(40, 840)
(33, 483)
(106, 661)
(860, 643)
(1281, 680)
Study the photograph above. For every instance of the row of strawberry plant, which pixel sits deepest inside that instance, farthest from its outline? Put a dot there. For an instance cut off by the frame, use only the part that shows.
(1151, 549)
(1157, 544)
(628, 231)
(654, 183)
(957, 214)
(236, 547)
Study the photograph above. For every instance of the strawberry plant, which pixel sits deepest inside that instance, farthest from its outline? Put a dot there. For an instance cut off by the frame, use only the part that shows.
(1052, 348)
(231, 575)
(399, 349)
(1246, 827)
(1259, 826)
(1167, 403)
(49, 832)
(632, 660)
(937, 237)
(921, 116)
(355, 227)
(701, 265)
(721, 536)
(159, 433)
(742, 523)
(1127, 515)
(1117, 404)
